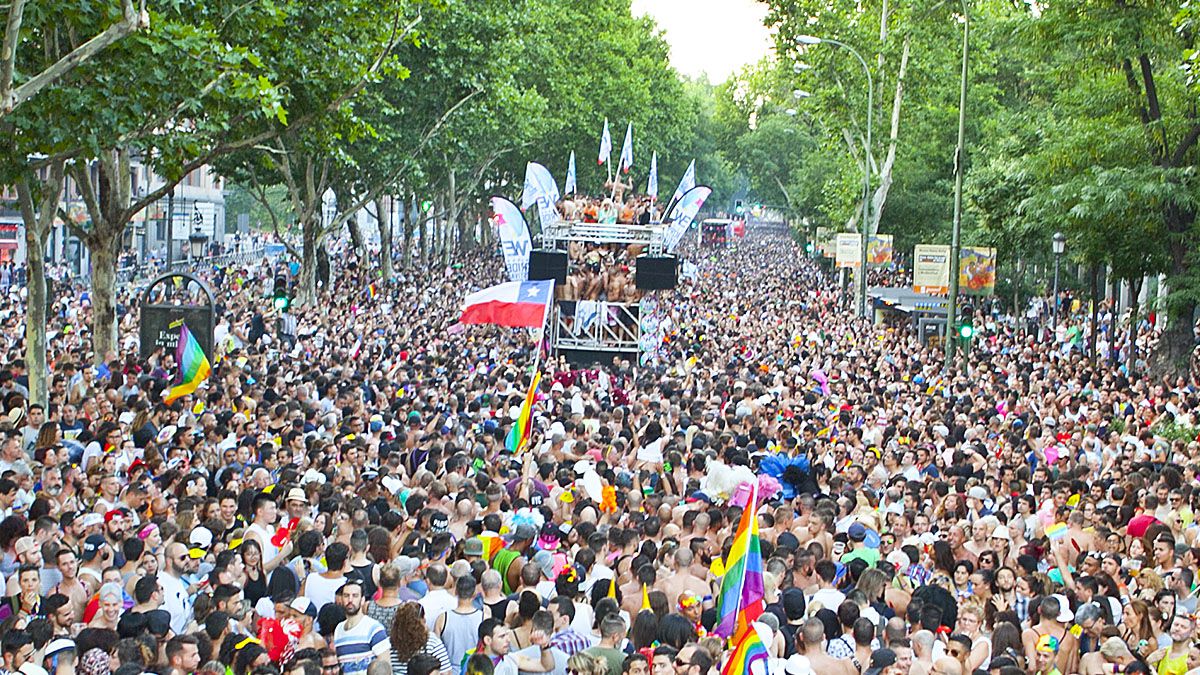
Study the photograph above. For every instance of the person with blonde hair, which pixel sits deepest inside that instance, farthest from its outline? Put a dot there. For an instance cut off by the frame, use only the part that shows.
(586, 664)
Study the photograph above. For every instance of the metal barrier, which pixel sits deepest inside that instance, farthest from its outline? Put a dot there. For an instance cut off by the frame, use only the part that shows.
(142, 273)
(599, 326)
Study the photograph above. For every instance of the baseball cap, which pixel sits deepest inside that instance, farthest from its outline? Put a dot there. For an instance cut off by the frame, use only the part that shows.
(523, 532)
(304, 606)
(92, 519)
(24, 545)
(1065, 615)
(199, 541)
(92, 545)
(857, 532)
(880, 659)
(473, 546)
(406, 564)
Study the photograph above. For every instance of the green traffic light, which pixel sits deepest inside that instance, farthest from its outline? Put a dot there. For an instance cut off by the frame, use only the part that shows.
(966, 331)
(282, 302)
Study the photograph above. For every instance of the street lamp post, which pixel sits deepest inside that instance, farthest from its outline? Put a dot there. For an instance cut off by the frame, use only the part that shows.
(196, 242)
(1059, 246)
(866, 207)
(960, 158)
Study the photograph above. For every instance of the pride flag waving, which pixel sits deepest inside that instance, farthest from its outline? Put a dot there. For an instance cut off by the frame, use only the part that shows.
(194, 367)
(518, 436)
(741, 599)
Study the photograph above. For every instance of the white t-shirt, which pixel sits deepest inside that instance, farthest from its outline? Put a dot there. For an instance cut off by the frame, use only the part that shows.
(176, 602)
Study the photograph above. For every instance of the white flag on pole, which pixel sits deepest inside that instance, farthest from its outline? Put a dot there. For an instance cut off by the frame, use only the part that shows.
(569, 186)
(605, 145)
(540, 189)
(627, 149)
(652, 183)
(687, 182)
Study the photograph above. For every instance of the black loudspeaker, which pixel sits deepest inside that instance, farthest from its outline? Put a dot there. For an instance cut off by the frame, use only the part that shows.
(656, 273)
(546, 265)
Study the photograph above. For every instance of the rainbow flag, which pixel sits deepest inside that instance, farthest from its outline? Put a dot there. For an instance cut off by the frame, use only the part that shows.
(518, 436)
(741, 599)
(746, 651)
(193, 365)
(491, 544)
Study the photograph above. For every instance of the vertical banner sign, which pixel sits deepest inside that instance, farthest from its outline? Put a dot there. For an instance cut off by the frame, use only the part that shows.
(684, 213)
(977, 270)
(879, 249)
(540, 189)
(652, 182)
(513, 233)
(931, 269)
(569, 187)
(849, 250)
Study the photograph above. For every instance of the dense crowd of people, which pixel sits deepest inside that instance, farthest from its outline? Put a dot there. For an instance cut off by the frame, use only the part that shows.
(343, 502)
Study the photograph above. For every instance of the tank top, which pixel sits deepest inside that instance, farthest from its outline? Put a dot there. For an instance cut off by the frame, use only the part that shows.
(269, 550)
(461, 632)
(501, 562)
(1173, 665)
(364, 573)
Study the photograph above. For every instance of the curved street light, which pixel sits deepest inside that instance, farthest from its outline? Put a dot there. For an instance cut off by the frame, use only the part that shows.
(866, 207)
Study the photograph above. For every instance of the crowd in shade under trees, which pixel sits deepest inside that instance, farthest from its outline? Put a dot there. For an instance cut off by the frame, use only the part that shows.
(434, 104)
(1081, 118)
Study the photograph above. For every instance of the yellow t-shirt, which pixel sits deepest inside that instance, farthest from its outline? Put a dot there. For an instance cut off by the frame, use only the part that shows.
(1173, 665)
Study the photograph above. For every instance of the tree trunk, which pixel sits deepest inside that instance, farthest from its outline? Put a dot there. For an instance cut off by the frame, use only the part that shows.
(879, 199)
(104, 305)
(422, 235)
(385, 238)
(37, 227)
(406, 228)
(1094, 321)
(308, 262)
(1135, 288)
(1017, 287)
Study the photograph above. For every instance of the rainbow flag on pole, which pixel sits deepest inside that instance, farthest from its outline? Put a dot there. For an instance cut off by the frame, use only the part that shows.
(518, 436)
(741, 599)
(746, 651)
(194, 367)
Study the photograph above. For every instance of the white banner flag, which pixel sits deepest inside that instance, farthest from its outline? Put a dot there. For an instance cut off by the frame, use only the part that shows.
(683, 214)
(569, 186)
(627, 149)
(652, 182)
(513, 232)
(541, 189)
(605, 145)
(686, 183)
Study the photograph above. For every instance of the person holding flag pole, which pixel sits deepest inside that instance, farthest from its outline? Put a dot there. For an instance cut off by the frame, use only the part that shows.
(742, 591)
(516, 304)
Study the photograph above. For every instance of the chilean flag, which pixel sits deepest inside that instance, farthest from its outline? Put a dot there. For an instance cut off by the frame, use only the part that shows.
(519, 304)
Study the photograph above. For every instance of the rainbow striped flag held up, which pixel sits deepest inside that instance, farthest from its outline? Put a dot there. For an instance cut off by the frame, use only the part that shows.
(741, 599)
(518, 436)
(745, 652)
(194, 367)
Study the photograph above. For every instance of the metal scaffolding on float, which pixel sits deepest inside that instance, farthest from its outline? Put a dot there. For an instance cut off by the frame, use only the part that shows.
(598, 326)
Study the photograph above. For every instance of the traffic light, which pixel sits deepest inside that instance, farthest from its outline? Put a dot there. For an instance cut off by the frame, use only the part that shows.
(739, 207)
(810, 247)
(966, 325)
(279, 296)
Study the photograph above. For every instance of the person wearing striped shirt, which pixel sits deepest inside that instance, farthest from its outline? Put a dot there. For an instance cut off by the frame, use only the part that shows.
(359, 640)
